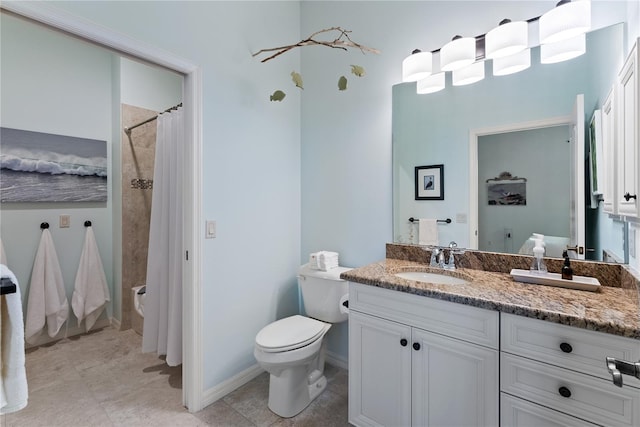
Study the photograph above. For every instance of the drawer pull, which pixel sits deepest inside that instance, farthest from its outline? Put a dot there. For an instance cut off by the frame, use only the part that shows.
(618, 367)
(403, 342)
(416, 346)
(566, 347)
(564, 392)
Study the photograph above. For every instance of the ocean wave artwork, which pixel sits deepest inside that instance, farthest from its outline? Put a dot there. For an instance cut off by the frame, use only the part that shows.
(44, 167)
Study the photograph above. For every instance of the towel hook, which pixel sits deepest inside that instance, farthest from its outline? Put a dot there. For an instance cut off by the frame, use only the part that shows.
(44, 225)
(87, 223)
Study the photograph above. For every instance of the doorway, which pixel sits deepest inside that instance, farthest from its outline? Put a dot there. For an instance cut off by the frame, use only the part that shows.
(576, 213)
(192, 103)
(523, 188)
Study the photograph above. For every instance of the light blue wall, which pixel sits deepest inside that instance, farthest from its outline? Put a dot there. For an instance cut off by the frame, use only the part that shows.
(151, 87)
(55, 84)
(251, 158)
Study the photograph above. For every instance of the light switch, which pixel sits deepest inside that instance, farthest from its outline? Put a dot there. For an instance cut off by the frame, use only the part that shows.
(210, 229)
(461, 218)
(65, 221)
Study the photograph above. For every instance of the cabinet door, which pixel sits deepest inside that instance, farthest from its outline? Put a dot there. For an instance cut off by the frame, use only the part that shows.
(608, 154)
(628, 144)
(454, 383)
(379, 371)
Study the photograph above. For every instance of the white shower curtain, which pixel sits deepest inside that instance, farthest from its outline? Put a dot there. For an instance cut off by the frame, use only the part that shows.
(162, 331)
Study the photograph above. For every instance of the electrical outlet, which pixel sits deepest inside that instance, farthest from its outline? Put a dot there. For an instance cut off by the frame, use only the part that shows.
(65, 221)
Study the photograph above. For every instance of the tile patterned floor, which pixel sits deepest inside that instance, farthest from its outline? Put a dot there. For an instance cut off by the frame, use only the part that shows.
(102, 379)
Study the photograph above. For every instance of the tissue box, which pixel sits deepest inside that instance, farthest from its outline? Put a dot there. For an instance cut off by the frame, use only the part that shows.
(323, 260)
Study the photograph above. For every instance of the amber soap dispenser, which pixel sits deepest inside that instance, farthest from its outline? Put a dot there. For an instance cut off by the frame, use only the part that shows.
(567, 271)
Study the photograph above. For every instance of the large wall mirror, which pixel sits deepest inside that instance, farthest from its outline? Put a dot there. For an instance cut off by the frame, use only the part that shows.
(436, 129)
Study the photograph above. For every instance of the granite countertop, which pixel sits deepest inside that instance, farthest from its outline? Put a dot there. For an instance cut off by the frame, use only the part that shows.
(612, 310)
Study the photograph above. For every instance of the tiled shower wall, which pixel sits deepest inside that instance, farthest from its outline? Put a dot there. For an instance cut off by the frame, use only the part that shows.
(138, 154)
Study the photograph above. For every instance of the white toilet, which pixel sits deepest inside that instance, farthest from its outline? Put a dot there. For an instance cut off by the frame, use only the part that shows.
(138, 295)
(292, 349)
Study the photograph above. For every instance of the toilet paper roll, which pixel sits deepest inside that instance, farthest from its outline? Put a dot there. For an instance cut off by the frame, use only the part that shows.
(344, 304)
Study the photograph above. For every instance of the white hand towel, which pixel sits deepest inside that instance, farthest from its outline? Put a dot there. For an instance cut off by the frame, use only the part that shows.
(3, 254)
(91, 293)
(327, 260)
(14, 391)
(47, 296)
(428, 231)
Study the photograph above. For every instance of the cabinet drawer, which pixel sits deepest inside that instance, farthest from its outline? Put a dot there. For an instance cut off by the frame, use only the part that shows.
(567, 346)
(593, 399)
(460, 321)
(516, 412)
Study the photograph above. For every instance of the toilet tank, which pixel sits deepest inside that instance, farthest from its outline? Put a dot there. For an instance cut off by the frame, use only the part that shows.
(321, 293)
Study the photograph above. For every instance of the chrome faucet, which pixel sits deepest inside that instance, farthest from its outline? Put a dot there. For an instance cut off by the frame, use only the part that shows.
(438, 258)
(441, 259)
(435, 256)
(451, 264)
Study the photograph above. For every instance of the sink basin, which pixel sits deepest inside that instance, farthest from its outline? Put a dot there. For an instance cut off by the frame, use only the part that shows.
(440, 279)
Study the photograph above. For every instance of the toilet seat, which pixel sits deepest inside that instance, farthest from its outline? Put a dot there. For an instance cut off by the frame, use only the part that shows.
(290, 333)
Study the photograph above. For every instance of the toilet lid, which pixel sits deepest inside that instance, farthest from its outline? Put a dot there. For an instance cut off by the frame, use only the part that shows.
(290, 333)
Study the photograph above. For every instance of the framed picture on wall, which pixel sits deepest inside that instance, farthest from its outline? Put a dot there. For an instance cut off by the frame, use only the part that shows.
(430, 182)
(45, 167)
(507, 190)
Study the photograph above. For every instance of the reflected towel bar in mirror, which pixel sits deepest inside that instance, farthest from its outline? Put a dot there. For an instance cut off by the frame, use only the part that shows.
(447, 221)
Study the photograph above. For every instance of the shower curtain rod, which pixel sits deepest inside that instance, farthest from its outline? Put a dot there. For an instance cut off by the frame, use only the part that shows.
(128, 129)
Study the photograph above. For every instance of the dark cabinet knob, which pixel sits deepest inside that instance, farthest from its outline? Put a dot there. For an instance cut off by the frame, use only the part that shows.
(628, 196)
(564, 392)
(403, 342)
(566, 347)
(416, 346)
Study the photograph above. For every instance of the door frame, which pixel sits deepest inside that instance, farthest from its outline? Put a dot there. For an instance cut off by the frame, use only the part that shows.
(192, 367)
(474, 135)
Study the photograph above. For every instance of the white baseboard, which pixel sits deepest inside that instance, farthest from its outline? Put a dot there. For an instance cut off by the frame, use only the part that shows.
(215, 393)
(336, 360)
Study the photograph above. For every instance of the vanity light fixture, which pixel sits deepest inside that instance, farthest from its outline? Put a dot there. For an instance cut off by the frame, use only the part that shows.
(458, 53)
(508, 38)
(512, 64)
(469, 74)
(431, 84)
(568, 19)
(562, 32)
(417, 66)
(563, 50)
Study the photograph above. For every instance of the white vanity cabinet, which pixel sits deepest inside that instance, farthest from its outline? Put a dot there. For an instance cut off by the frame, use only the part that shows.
(420, 361)
(556, 375)
(628, 102)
